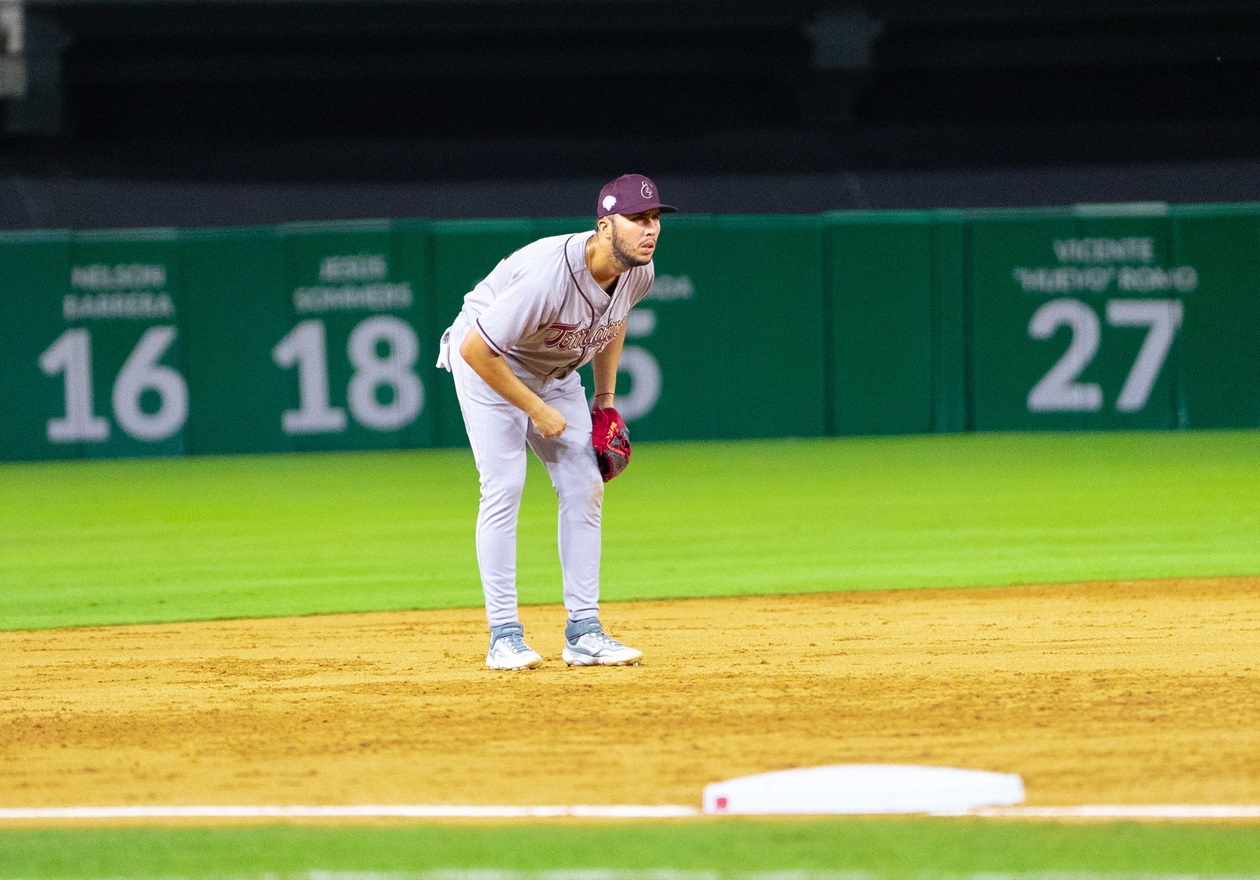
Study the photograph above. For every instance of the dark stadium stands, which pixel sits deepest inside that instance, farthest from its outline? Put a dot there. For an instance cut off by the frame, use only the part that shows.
(218, 112)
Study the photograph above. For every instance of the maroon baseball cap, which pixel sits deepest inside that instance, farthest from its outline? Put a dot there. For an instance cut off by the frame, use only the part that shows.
(629, 194)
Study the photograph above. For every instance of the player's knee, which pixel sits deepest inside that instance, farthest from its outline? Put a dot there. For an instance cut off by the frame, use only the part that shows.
(583, 495)
(500, 490)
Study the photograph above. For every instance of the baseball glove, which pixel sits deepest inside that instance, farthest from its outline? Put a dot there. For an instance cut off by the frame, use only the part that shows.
(611, 439)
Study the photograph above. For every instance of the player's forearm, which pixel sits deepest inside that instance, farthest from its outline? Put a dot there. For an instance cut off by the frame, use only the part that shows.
(604, 371)
(495, 372)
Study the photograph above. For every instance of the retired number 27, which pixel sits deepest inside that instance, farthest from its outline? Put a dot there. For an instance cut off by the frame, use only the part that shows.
(1060, 389)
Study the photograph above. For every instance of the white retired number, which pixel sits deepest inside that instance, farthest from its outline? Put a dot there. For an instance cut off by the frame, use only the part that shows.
(71, 356)
(1060, 391)
(305, 347)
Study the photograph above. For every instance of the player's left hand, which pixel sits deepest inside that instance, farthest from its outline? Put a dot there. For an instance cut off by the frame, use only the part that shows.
(611, 439)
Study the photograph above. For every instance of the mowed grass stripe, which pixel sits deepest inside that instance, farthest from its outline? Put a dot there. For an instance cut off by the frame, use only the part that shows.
(893, 848)
(699, 874)
(85, 543)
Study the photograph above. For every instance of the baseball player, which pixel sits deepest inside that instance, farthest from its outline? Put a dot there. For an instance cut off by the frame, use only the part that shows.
(514, 350)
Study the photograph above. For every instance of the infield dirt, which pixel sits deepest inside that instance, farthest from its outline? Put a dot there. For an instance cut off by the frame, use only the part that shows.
(1114, 693)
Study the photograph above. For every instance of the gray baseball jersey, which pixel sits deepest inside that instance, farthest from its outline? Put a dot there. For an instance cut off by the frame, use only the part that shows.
(541, 310)
(543, 313)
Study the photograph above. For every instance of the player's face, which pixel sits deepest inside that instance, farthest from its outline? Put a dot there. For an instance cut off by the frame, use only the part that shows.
(634, 237)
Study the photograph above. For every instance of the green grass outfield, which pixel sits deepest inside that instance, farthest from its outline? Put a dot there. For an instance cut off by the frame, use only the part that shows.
(130, 541)
(85, 543)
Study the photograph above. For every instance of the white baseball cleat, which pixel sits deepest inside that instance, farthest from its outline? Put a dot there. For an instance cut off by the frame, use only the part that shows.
(586, 644)
(509, 651)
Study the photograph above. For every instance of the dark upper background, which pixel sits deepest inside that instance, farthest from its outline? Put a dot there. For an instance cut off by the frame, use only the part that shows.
(126, 113)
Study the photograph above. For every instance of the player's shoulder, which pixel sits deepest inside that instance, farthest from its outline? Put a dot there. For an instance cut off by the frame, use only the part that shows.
(542, 250)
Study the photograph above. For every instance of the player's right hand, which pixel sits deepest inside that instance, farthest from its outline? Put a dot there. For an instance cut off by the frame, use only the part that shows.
(549, 422)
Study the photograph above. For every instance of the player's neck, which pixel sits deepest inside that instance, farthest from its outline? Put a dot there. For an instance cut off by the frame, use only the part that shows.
(604, 267)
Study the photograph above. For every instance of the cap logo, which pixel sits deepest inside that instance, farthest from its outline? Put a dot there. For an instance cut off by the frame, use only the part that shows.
(645, 190)
(609, 201)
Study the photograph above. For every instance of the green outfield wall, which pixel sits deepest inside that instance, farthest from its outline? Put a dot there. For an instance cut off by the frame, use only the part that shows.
(324, 336)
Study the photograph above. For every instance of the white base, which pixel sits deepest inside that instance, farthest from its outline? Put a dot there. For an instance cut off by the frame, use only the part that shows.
(863, 789)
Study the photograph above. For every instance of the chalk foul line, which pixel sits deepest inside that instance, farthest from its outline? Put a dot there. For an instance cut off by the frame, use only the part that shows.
(351, 811)
(1122, 811)
(627, 811)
